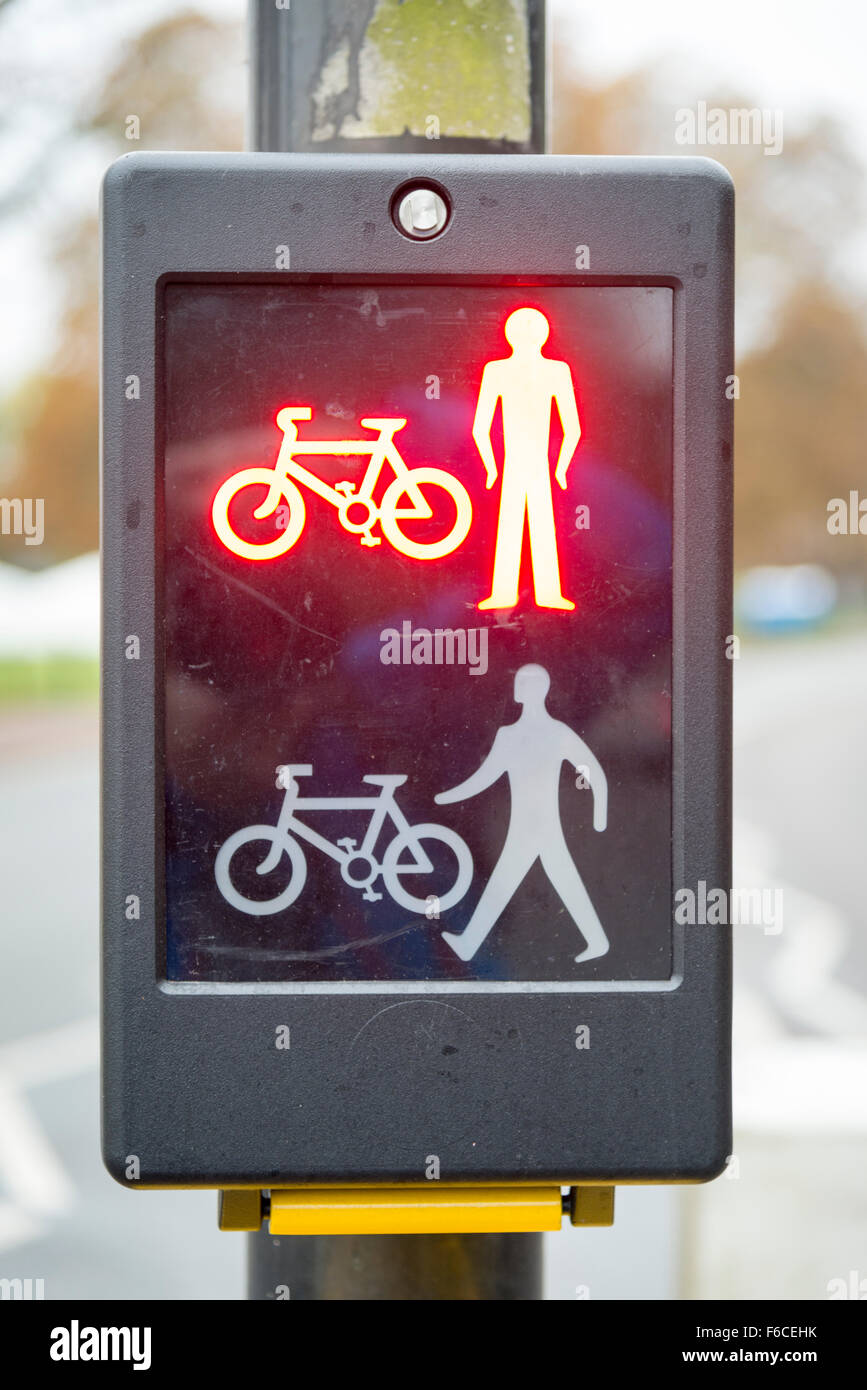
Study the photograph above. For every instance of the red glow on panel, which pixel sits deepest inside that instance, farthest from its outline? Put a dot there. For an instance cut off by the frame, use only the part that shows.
(526, 384)
(414, 494)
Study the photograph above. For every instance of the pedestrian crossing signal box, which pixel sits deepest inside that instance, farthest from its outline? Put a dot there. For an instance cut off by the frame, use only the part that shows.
(417, 655)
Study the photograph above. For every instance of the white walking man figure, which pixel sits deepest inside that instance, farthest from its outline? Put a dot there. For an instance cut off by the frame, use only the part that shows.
(528, 384)
(531, 753)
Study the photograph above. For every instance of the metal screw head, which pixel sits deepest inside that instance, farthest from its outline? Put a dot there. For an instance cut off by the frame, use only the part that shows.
(422, 213)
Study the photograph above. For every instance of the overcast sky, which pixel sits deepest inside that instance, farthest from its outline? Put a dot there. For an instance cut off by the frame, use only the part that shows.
(796, 55)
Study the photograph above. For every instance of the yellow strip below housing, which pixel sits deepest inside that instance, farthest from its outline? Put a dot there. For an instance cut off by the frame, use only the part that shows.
(413, 1211)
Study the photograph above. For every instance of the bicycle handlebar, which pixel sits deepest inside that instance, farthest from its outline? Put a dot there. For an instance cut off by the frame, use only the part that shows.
(287, 417)
(287, 773)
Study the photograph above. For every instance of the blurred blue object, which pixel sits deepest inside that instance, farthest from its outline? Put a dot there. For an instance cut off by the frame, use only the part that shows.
(785, 598)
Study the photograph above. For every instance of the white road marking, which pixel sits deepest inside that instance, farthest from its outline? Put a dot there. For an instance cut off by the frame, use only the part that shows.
(16, 1227)
(52, 1055)
(784, 1084)
(805, 1086)
(31, 1173)
(811, 946)
(31, 1170)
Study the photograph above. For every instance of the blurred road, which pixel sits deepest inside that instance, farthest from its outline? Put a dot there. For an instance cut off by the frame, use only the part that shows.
(800, 815)
(789, 1218)
(801, 769)
(62, 1218)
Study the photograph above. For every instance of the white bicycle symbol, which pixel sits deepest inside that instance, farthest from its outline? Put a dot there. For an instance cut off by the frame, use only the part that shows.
(404, 499)
(358, 865)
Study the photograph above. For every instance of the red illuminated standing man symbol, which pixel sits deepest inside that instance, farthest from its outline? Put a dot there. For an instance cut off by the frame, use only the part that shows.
(526, 383)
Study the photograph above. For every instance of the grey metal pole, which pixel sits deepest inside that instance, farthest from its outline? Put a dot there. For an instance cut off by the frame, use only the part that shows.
(457, 1268)
(380, 76)
(434, 76)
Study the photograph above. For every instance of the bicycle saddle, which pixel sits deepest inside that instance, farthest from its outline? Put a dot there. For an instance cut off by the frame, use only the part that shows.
(386, 779)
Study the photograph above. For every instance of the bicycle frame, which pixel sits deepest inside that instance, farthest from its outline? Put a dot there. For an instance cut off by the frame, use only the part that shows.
(401, 500)
(381, 450)
(359, 866)
(382, 807)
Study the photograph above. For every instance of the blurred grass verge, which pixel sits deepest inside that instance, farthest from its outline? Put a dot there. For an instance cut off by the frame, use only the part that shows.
(48, 678)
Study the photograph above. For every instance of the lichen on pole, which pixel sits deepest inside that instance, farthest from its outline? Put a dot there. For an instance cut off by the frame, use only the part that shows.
(440, 76)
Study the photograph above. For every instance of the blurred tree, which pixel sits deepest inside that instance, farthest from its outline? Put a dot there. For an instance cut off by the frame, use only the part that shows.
(791, 206)
(800, 428)
(801, 417)
(173, 79)
(800, 414)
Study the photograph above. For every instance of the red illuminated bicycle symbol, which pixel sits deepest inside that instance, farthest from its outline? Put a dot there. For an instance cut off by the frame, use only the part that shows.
(405, 498)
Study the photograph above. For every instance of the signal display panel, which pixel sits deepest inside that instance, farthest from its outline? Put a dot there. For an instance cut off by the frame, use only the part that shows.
(417, 720)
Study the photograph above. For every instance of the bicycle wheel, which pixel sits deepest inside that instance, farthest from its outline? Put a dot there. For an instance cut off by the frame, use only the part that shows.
(254, 906)
(251, 550)
(410, 839)
(393, 512)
